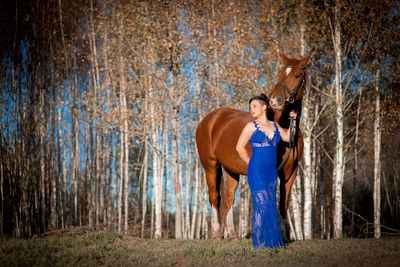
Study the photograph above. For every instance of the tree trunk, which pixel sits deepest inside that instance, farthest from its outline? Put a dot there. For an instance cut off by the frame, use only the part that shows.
(157, 179)
(204, 211)
(196, 199)
(60, 158)
(76, 164)
(176, 184)
(187, 195)
(110, 185)
(144, 187)
(152, 215)
(121, 181)
(338, 171)
(307, 170)
(322, 204)
(200, 203)
(244, 207)
(89, 170)
(377, 161)
(54, 174)
(355, 167)
(295, 200)
(126, 162)
(42, 163)
(167, 178)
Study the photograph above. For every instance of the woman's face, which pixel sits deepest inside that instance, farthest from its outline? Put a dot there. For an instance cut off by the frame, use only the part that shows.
(257, 108)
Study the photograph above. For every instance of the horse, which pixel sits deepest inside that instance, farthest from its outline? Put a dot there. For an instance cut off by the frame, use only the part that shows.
(217, 135)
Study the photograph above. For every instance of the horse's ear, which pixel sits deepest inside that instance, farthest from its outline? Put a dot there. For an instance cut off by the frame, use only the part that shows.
(285, 58)
(303, 61)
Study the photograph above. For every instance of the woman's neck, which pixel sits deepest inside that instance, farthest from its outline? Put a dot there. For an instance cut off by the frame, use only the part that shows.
(262, 119)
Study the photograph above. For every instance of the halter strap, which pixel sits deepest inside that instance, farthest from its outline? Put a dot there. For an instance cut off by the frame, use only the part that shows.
(293, 94)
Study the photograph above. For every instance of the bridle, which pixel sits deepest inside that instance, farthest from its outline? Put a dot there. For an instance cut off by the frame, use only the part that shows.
(292, 95)
(290, 100)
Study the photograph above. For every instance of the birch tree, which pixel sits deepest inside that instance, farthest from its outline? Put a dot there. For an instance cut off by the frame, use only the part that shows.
(338, 172)
(377, 160)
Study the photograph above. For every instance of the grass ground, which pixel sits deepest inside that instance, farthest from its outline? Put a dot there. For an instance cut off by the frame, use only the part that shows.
(98, 248)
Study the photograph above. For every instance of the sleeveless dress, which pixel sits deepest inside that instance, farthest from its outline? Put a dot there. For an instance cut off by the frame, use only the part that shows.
(262, 178)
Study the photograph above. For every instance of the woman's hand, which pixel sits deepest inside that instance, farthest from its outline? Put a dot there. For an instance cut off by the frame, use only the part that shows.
(285, 133)
(293, 114)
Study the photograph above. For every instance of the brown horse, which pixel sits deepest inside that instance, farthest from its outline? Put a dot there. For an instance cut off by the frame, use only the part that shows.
(217, 135)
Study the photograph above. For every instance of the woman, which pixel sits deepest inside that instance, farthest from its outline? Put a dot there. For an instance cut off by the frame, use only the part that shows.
(263, 136)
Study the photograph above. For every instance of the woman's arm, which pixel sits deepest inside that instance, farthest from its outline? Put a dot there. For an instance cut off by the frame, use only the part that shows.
(285, 133)
(242, 142)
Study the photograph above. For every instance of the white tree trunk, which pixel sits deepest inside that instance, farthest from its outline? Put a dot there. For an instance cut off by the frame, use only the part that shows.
(295, 200)
(315, 160)
(157, 180)
(76, 151)
(126, 160)
(152, 215)
(307, 172)
(88, 181)
(322, 204)
(162, 171)
(204, 224)
(307, 153)
(338, 171)
(180, 204)
(177, 183)
(144, 189)
(187, 196)
(196, 199)
(377, 162)
(167, 179)
(200, 201)
(244, 206)
(121, 181)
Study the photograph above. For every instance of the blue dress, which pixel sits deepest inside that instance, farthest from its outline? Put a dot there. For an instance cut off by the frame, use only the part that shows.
(262, 178)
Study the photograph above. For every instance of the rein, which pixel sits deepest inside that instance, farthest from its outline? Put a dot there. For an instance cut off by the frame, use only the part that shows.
(291, 143)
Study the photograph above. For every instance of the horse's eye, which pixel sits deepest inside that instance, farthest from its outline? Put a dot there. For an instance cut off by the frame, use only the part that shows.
(297, 76)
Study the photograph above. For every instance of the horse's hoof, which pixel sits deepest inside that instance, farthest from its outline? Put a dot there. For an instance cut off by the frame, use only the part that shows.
(217, 237)
(234, 239)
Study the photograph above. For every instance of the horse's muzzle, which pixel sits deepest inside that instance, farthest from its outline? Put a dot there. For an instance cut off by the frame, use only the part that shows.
(276, 102)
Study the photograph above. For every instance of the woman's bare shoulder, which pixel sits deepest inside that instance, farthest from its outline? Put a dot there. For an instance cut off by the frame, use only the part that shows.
(249, 127)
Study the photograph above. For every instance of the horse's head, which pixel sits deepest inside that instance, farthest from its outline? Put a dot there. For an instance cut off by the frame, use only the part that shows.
(291, 84)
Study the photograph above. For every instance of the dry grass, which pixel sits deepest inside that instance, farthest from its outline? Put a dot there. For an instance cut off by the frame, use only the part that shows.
(99, 248)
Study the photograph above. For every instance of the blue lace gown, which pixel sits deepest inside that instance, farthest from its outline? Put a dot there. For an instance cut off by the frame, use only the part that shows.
(262, 178)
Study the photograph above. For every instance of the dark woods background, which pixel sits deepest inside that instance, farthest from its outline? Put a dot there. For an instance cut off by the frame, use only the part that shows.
(100, 100)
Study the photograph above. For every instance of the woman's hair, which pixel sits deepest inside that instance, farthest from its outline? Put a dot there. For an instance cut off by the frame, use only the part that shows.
(262, 97)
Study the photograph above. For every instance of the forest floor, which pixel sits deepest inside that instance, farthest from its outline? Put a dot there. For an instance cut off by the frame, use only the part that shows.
(99, 248)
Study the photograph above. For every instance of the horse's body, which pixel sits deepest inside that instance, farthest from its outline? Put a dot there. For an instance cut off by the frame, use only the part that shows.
(217, 135)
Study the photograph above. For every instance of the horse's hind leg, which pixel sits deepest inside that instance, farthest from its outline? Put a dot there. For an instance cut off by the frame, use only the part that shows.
(213, 177)
(229, 199)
